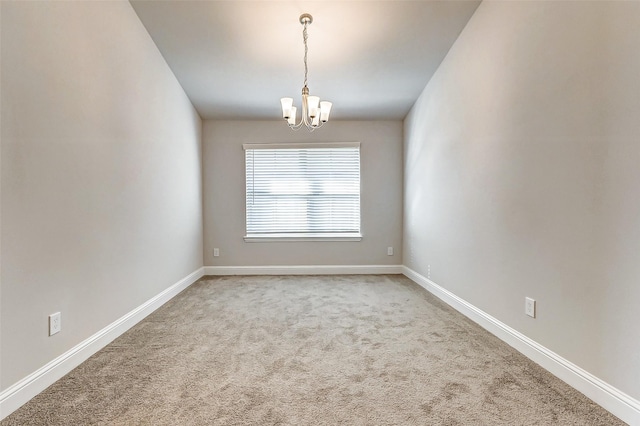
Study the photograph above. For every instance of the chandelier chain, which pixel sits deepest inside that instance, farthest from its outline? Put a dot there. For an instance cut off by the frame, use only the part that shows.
(306, 49)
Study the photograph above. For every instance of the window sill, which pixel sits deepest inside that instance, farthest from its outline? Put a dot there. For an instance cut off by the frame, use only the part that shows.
(301, 238)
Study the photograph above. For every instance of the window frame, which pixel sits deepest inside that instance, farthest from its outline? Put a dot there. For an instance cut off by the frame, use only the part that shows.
(304, 237)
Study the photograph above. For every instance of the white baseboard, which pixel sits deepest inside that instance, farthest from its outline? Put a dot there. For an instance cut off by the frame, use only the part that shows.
(617, 402)
(21, 392)
(304, 270)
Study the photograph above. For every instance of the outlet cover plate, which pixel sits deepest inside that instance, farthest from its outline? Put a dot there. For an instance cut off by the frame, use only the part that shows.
(530, 307)
(55, 323)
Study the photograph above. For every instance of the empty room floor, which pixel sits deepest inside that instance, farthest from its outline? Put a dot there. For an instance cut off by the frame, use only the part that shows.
(308, 350)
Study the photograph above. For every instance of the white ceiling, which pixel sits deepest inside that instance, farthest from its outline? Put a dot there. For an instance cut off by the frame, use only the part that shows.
(236, 59)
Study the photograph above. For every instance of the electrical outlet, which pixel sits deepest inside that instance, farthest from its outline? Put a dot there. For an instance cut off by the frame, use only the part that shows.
(55, 323)
(216, 252)
(429, 271)
(530, 307)
(389, 251)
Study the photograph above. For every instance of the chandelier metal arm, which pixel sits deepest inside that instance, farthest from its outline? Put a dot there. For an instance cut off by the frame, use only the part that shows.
(305, 116)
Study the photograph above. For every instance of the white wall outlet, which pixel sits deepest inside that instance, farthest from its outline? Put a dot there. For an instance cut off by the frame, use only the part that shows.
(530, 307)
(389, 251)
(429, 271)
(216, 252)
(55, 323)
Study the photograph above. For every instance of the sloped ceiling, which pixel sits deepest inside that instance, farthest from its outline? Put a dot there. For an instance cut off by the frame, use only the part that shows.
(236, 59)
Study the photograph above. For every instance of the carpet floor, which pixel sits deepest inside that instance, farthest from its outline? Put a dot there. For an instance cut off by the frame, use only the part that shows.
(311, 350)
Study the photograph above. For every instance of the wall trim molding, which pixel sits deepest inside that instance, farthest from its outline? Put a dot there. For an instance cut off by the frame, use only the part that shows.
(304, 270)
(21, 392)
(612, 399)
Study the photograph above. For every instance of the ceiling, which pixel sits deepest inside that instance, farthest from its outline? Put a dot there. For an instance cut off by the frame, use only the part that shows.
(236, 59)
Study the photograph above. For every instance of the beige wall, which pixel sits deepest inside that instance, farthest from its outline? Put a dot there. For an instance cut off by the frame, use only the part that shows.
(522, 177)
(224, 194)
(101, 175)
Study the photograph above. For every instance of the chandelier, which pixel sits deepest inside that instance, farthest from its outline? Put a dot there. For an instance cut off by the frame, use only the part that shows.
(314, 112)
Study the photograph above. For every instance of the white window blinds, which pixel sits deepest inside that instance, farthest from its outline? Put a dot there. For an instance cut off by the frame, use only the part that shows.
(306, 190)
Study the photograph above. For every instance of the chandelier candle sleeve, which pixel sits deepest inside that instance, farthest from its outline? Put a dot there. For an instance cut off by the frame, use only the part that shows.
(314, 113)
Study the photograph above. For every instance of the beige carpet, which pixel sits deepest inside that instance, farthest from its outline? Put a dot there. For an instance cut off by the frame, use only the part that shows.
(350, 350)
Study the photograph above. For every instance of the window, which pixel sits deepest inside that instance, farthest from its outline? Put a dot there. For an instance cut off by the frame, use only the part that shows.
(303, 191)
